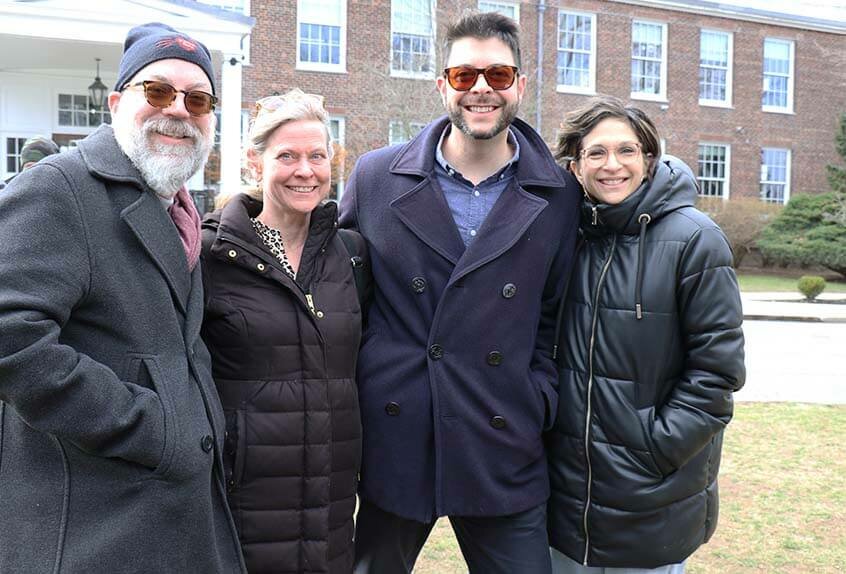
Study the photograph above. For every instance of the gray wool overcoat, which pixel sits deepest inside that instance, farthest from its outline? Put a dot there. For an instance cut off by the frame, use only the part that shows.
(110, 426)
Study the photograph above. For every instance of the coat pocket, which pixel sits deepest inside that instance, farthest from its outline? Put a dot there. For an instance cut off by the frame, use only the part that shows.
(144, 371)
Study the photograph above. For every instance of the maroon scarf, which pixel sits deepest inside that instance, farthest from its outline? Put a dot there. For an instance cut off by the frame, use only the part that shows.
(187, 220)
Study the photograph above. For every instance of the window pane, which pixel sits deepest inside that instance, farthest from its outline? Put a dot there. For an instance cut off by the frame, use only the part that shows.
(778, 72)
(712, 174)
(647, 58)
(575, 53)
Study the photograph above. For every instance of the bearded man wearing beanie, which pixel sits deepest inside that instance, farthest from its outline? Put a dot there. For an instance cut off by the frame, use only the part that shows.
(110, 427)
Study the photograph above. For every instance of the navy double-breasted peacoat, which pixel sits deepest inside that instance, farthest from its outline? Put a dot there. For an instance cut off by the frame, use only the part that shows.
(456, 376)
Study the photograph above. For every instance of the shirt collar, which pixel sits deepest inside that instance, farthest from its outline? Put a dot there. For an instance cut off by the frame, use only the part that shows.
(439, 154)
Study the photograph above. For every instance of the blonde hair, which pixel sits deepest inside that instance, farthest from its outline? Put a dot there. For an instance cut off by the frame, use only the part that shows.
(270, 114)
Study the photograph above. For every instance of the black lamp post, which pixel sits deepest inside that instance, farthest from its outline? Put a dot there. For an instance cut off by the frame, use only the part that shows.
(97, 91)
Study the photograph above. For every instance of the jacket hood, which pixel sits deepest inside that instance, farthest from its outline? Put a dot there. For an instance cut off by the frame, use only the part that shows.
(536, 167)
(232, 224)
(672, 187)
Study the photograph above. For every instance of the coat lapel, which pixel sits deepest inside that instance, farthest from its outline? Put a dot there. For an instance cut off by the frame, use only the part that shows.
(425, 212)
(510, 217)
(151, 225)
(145, 216)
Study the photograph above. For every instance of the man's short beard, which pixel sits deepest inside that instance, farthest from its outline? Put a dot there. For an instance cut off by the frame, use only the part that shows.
(507, 115)
(164, 167)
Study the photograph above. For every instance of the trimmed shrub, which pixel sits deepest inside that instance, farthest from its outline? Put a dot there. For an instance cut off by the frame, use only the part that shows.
(810, 286)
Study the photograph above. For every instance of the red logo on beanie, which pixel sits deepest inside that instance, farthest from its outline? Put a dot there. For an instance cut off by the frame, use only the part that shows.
(183, 43)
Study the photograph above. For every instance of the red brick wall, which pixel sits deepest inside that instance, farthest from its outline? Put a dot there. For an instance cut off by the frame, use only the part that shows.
(369, 98)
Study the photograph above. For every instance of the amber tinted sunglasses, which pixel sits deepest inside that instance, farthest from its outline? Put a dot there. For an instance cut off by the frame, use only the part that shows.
(498, 76)
(161, 95)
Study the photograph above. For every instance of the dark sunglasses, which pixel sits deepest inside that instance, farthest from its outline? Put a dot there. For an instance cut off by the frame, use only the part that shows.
(161, 95)
(498, 76)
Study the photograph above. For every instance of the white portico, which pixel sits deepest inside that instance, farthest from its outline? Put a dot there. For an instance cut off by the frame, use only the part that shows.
(48, 52)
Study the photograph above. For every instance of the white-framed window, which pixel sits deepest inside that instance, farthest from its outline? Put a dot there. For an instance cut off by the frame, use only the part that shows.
(74, 111)
(649, 60)
(777, 93)
(413, 38)
(715, 67)
(576, 52)
(400, 131)
(12, 155)
(775, 175)
(510, 9)
(337, 129)
(322, 35)
(714, 170)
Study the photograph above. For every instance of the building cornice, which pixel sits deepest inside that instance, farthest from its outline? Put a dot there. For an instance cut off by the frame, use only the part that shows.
(719, 9)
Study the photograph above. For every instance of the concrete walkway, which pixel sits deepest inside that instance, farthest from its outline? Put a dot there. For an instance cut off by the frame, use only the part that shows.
(793, 307)
(794, 349)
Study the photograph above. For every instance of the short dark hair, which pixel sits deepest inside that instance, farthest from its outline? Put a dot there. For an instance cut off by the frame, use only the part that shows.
(484, 25)
(580, 122)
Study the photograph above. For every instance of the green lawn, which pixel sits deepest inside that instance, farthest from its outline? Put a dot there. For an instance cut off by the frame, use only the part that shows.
(766, 282)
(782, 497)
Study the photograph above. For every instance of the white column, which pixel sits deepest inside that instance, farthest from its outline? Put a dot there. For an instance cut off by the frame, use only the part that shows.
(230, 124)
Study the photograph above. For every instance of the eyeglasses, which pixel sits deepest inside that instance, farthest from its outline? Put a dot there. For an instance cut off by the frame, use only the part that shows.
(161, 95)
(597, 156)
(273, 103)
(498, 77)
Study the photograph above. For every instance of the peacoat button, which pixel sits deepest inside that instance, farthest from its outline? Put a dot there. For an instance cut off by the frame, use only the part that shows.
(207, 443)
(392, 408)
(494, 358)
(232, 253)
(436, 352)
(319, 314)
(498, 422)
(261, 267)
(418, 284)
(509, 290)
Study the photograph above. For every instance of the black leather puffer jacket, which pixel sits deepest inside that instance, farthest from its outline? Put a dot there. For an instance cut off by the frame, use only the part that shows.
(652, 350)
(283, 359)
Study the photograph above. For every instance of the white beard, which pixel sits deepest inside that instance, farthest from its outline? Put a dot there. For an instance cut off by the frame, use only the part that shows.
(164, 167)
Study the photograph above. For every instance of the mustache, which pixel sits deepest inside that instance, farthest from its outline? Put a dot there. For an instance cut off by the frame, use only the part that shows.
(486, 100)
(171, 127)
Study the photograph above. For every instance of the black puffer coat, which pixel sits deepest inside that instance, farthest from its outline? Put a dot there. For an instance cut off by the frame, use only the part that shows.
(652, 350)
(285, 374)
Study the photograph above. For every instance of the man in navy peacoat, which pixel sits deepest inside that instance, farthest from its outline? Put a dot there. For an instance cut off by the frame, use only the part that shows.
(456, 376)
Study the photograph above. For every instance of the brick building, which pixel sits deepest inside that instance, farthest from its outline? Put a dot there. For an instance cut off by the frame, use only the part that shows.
(748, 98)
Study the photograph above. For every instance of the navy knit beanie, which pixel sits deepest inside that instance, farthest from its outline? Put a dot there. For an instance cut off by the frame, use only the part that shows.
(152, 42)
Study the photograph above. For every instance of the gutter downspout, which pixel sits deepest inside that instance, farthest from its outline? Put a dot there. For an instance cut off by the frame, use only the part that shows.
(539, 79)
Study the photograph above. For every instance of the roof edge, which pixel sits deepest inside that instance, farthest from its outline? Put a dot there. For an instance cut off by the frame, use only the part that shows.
(708, 8)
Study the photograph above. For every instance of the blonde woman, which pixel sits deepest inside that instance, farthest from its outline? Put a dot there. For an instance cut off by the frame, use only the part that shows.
(283, 323)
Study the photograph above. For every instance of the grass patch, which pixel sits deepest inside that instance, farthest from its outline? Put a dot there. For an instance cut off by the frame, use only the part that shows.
(782, 497)
(762, 282)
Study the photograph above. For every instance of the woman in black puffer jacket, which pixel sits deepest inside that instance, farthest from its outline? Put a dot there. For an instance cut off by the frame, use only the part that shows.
(652, 350)
(282, 323)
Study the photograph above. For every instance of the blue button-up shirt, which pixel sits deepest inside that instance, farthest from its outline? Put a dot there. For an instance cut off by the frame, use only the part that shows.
(470, 204)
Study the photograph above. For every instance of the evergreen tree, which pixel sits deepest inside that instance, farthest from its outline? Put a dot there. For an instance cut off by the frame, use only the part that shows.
(811, 229)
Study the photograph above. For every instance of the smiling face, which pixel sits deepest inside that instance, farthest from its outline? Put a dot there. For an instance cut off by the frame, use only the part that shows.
(481, 112)
(294, 171)
(611, 182)
(167, 145)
